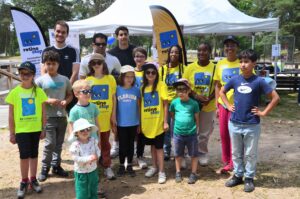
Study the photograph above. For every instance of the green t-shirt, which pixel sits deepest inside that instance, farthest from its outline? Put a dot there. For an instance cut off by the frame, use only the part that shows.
(185, 123)
(27, 108)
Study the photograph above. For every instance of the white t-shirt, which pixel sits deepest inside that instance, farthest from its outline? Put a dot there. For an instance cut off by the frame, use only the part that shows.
(111, 61)
(81, 154)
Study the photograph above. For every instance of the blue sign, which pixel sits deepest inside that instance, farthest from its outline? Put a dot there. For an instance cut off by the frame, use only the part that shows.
(30, 38)
(168, 39)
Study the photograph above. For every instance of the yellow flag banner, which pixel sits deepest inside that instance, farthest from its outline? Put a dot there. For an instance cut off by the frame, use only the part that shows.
(167, 33)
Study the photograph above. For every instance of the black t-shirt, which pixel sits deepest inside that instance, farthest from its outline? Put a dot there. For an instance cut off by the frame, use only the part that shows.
(68, 56)
(125, 56)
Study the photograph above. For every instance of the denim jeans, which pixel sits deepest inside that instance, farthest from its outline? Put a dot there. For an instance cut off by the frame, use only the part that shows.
(244, 139)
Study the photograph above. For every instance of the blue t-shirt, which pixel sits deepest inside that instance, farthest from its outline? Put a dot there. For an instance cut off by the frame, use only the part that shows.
(246, 95)
(127, 106)
(185, 123)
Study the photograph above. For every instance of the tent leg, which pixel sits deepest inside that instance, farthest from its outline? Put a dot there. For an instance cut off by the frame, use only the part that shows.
(253, 40)
(276, 58)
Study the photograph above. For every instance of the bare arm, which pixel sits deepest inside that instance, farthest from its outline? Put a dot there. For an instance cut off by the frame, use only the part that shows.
(274, 101)
(166, 111)
(139, 111)
(113, 118)
(197, 120)
(75, 71)
(98, 126)
(11, 122)
(217, 91)
(223, 96)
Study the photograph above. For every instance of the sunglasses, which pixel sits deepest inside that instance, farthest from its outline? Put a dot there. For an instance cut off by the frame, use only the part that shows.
(148, 72)
(26, 74)
(100, 44)
(84, 130)
(85, 92)
(181, 89)
(93, 63)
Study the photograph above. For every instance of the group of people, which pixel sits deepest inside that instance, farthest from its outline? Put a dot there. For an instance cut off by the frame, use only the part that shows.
(119, 92)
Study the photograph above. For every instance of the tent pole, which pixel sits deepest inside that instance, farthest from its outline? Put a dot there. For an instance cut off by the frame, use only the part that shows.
(276, 58)
(253, 40)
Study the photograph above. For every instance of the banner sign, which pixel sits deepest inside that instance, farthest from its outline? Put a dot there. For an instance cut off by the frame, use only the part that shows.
(31, 38)
(167, 33)
(72, 39)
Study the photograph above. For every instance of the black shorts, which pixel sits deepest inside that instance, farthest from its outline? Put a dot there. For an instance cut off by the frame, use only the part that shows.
(158, 141)
(28, 144)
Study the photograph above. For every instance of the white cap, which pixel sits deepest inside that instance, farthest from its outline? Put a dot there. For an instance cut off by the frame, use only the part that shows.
(81, 124)
(127, 68)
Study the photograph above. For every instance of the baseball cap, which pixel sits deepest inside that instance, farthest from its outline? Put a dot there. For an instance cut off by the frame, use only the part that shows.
(149, 65)
(97, 56)
(231, 38)
(126, 68)
(182, 81)
(27, 66)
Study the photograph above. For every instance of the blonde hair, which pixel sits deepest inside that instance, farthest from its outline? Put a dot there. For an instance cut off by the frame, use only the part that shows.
(80, 84)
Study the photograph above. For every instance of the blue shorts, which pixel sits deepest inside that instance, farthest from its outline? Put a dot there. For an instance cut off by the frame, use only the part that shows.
(189, 141)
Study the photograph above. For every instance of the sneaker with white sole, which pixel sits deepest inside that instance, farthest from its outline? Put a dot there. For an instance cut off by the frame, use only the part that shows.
(34, 184)
(22, 190)
(162, 178)
(203, 159)
(183, 164)
(142, 163)
(109, 174)
(114, 151)
(151, 172)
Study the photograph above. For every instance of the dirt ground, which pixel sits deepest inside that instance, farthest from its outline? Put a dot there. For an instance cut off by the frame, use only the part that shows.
(278, 172)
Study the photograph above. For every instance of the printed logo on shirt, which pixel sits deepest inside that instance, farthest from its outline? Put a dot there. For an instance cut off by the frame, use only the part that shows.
(228, 73)
(99, 92)
(244, 89)
(202, 79)
(138, 81)
(172, 78)
(55, 85)
(151, 100)
(28, 106)
(66, 57)
(127, 98)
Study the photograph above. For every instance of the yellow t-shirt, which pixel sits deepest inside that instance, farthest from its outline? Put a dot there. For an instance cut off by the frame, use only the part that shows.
(27, 108)
(138, 78)
(103, 90)
(170, 76)
(200, 78)
(224, 71)
(152, 109)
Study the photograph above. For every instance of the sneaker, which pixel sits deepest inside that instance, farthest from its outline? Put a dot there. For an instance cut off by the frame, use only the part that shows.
(43, 175)
(130, 171)
(178, 177)
(162, 178)
(109, 174)
(193, 178)
(22, 190)
(36, 186)
(234, 181)
(249, 185)
(142, 163)
(151, 172)
(114, 152)
(203, 159)
(58, 170)
(121, 171)
(183, 164)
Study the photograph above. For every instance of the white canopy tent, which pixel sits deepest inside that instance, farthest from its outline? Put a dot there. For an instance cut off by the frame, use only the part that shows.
(196, 17)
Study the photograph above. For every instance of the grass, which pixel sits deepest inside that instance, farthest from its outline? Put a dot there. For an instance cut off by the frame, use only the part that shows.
(287, 108)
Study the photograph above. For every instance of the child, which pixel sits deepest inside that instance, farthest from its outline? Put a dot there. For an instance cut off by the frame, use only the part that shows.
(244, 125)
(154, 119)
(185, 112)
(139, 56)
(200, 74)
(169, 74)
(27, 120)
(85, 153)
(226, 69)
(128, 117)
(59, 91)
(103, 88)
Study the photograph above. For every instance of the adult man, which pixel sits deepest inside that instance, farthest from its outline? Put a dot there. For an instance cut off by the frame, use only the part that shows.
(124, 50)
(124, 53)
(99, 46)
(68, 66)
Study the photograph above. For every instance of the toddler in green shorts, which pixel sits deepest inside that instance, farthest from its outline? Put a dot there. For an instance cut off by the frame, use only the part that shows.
(85, 153)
